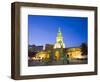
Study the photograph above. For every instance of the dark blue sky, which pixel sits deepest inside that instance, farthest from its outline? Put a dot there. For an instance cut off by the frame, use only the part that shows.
(43, 30)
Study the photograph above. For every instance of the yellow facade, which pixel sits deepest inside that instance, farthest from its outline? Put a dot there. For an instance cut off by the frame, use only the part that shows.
(42, 55)
(74, 53)
(57, 55)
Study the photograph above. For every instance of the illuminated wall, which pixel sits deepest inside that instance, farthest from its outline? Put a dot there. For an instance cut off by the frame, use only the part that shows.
(74, 53)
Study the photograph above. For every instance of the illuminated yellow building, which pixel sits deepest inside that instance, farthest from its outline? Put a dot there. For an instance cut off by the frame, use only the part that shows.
(74, 53)
(43, 55)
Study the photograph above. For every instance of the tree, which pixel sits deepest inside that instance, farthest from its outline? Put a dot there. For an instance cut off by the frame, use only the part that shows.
(84, 49)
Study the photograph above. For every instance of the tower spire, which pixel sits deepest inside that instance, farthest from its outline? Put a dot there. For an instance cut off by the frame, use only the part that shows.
(59, 34)
(59, 29)
(59, 40)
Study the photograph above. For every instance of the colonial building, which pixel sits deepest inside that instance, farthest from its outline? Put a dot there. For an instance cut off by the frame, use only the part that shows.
(74, 52)
(43, 55)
